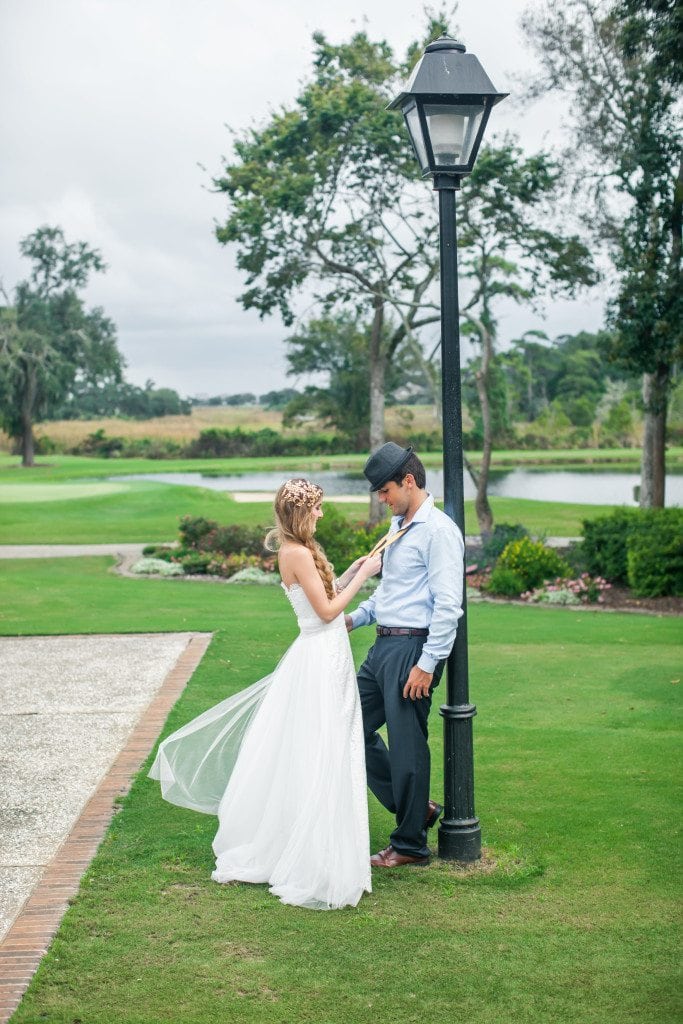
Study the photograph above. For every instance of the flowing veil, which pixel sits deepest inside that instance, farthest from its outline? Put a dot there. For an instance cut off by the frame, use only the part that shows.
(194, 764)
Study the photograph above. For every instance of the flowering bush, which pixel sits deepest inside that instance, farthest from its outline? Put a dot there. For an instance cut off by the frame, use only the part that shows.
(157, 567)
(476, 578)
(229, 565)
(201, 534)
(582, 590)
(255, 575)
(532, 561)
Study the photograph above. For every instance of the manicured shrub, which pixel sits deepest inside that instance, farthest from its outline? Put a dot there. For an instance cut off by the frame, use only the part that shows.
(532, 561)
(196, 563)
(604, 543)
(655, 554)
(505, 582)
(496, 542)
(638, 547)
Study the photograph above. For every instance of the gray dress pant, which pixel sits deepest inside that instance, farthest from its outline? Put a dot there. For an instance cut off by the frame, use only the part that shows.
(399, 775)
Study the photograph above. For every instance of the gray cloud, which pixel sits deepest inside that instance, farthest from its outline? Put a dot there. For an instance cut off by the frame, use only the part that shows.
(110, 109)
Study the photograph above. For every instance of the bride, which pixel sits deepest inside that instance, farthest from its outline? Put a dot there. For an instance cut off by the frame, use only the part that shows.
(282, 763)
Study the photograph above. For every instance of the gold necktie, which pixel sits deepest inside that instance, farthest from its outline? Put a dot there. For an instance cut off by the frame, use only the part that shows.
(388, 538)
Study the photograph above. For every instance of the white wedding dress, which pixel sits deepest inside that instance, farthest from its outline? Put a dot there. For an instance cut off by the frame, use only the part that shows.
(283, 765)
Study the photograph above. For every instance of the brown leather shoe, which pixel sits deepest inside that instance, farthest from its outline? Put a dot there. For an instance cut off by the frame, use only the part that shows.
(391, 858)
(434, 812)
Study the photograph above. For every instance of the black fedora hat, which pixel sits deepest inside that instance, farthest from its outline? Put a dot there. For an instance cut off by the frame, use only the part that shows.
(385, 463)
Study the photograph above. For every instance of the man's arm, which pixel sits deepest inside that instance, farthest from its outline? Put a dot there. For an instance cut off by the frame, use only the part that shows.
(364, 615)
(446, 561)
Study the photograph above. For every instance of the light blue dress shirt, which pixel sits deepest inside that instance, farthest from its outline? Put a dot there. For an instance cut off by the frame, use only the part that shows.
(422, 581)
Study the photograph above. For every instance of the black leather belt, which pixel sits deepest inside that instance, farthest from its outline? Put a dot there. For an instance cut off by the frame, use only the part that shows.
(401, 631)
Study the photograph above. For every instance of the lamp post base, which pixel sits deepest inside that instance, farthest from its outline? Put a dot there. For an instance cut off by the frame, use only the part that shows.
(460, 839)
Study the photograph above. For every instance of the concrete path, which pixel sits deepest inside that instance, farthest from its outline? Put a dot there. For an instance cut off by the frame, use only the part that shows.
(69, 707)
(69, 550)
(131, 552)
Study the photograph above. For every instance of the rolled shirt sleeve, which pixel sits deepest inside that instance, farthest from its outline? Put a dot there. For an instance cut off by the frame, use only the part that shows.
(445, 576)
(364, 614)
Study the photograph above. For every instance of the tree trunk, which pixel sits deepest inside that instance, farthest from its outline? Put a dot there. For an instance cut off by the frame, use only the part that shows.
(27, 406)
(653, 462)
(481, 502)
(377, 368)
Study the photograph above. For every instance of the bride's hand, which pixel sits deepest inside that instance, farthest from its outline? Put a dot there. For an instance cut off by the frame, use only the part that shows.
(371, 565)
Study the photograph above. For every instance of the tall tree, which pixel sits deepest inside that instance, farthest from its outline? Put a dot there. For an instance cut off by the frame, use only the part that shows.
(323, 198)
(528, 366)
(338, 347)
(509, 249)
(48, 340)
(620, 61)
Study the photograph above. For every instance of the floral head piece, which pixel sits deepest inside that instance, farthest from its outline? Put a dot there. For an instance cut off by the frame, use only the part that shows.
(302, 493)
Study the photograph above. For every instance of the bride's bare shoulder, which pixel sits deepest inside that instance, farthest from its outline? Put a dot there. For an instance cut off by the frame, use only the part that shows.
(291, 549)
(292, 556)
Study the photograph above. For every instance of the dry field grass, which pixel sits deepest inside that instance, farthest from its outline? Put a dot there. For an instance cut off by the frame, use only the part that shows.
(398, 419)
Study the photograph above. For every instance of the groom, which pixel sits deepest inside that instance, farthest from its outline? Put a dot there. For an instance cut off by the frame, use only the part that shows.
(416, 610)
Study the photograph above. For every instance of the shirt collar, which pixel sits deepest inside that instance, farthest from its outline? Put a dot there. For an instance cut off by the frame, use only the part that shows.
(422, 513)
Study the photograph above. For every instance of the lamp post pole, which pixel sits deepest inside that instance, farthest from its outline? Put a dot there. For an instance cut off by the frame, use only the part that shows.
(446, 105)
(459, 831)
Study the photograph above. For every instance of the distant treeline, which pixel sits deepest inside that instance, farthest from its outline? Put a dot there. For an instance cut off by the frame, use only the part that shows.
(88, 401)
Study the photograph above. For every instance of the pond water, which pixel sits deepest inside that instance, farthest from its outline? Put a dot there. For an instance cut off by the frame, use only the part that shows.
(584, 486)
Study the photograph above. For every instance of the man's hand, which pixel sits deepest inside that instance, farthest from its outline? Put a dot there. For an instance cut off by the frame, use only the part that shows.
(348, 622)
(418, 683)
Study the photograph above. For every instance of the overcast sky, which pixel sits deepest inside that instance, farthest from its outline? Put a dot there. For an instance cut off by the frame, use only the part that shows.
(113, 122)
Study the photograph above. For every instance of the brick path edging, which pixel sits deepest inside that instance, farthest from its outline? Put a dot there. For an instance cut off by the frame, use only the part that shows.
(33, 929)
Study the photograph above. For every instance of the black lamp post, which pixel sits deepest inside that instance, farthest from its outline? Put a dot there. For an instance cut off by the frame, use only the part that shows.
(446, 105)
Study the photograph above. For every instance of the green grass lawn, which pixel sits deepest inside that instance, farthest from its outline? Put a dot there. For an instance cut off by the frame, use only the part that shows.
(58, 512)
(66, 499)
(575, 745)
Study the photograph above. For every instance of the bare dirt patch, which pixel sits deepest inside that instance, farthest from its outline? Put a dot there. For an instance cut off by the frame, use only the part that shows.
(623, 600)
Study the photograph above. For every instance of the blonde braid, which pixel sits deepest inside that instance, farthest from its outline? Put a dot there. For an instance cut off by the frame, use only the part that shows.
(294, 504)
(323, 565)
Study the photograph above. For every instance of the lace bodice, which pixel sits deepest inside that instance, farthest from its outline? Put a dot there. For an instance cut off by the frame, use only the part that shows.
(309, 622)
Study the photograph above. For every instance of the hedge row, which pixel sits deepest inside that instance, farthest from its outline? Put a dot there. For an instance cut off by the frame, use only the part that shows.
(639, 547)
(220, 443)
(223, 443)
